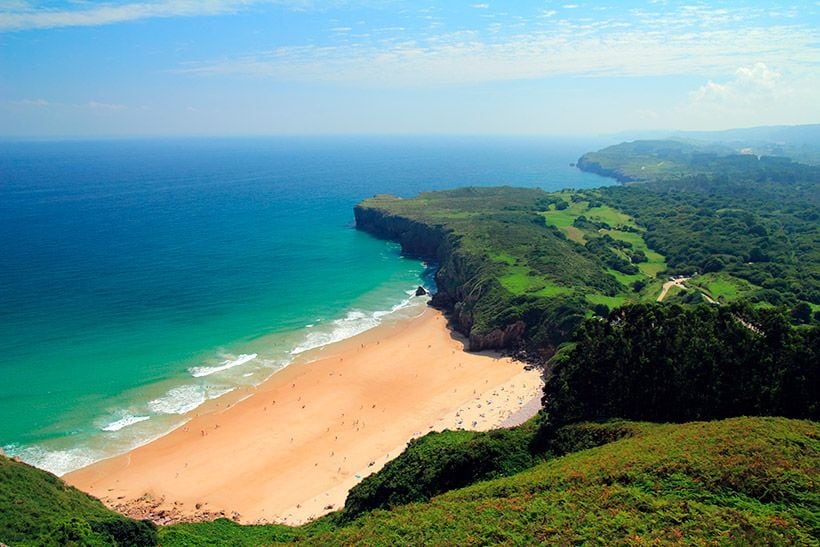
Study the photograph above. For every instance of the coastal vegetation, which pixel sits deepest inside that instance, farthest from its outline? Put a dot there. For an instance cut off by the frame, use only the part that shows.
(736, 481)
(670, 363)
(508, 269)
(522, 267)
(37, 508)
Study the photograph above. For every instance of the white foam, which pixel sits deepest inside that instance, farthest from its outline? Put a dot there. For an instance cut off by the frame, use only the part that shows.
(355, 322)
(125, 421)
(58, 462)
(184, 399)
(198, 372)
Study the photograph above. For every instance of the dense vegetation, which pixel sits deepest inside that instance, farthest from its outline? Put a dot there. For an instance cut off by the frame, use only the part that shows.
(666, 161)
(667, 363)
(756, 221)
(744, 481)
(440, 462)
(37, 508)
(521, 265)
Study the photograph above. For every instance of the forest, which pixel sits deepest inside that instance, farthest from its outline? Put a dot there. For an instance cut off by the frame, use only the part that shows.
(670, 363)
(756, 220)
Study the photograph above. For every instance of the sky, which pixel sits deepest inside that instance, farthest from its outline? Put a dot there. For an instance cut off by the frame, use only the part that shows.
(78, 68)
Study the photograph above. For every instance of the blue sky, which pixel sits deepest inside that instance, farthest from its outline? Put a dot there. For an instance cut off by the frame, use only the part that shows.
(248, 67)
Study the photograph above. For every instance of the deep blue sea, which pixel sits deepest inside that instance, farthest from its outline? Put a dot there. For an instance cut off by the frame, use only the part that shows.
(140, 278)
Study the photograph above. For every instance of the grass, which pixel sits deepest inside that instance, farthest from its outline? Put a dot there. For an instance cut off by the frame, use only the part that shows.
(722, 286)
(611, 301)
(37, 508)
(626, 279)
(742, 481)
(500, 264)
(524, 280)
(656, 262)
(613, 217)
(564, 219)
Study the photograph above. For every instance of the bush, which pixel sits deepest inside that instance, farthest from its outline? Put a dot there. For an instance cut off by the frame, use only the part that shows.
(439, 462)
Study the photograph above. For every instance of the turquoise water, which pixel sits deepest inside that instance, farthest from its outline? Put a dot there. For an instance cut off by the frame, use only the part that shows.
(140, 278)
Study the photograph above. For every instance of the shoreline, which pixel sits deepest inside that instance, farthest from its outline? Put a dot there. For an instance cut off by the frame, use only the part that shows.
(289, 449)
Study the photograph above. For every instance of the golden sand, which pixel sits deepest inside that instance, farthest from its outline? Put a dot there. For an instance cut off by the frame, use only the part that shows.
(290, 449)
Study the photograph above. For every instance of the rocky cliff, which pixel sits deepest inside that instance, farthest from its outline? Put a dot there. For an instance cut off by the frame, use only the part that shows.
(461, 278)
(585, 163)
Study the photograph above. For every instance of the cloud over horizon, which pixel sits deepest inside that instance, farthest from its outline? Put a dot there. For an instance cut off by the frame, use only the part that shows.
(407, 66)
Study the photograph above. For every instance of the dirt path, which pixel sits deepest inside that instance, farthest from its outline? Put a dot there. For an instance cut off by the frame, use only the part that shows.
(669, 284)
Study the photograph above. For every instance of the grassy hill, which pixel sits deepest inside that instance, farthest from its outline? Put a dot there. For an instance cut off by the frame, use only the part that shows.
(739, 482)
(37, 508)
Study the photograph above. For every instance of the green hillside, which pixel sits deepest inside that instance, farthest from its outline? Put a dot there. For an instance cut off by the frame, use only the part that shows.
(37, 508)
(738, 482)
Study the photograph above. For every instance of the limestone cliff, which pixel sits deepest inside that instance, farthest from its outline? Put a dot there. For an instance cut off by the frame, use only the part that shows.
(590, 166)
(460, 277)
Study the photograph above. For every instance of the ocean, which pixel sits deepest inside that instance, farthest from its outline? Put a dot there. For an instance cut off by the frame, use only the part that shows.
(142, 278)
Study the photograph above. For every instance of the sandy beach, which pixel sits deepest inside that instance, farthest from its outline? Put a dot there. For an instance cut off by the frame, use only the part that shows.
(290, 449)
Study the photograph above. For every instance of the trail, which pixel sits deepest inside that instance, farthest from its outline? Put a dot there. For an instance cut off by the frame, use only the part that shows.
(669, 284)
(680, 283)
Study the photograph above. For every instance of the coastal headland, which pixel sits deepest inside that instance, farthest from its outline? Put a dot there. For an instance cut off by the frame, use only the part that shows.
(290, 449)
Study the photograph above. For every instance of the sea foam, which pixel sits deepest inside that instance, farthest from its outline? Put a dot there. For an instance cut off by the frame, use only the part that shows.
(184, 399)
(125, 421)
(198, 372)
(58, 462)
(355, 322)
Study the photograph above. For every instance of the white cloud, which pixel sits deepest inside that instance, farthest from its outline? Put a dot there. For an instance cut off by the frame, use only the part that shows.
(751, 85)
(17, 15)
(756, 94)
(603, 48)
(31, 102)
(97, 106)
(481, 6)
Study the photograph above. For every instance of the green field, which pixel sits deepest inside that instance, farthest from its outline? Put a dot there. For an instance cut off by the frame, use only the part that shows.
(524, 280)
(611, 301)
(723, 287)
(614, 219)
(656, 263)
(520, 279)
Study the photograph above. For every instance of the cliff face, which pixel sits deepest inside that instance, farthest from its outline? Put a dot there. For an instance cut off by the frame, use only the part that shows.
(591, 166)
(417, 239)
(458, 277)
